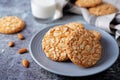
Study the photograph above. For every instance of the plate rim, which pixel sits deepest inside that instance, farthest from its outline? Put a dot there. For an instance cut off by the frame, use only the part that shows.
(55, 72)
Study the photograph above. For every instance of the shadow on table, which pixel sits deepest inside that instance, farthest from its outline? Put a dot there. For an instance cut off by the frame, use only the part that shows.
(113, 73)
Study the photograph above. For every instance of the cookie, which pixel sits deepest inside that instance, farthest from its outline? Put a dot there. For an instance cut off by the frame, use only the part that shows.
(87, 3)
(83, 49)
(75, 25)
(11, 24)
(103, 9)
(96, 34)
(53, 43)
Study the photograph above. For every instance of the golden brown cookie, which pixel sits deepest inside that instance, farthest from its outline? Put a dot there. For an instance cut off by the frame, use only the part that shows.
(96, 34)
(103, 9)
(53, 43)
(87, 3)
(75, 25)
(83, 49)
(11, 24)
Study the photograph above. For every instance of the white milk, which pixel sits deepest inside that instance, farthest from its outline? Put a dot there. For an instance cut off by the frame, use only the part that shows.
(43, 9)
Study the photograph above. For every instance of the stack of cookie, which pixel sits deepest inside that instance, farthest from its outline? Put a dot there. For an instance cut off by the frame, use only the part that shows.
(97, 7)
(72, 41)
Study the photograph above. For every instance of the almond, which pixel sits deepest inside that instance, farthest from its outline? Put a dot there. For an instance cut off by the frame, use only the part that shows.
(22, 50)
(20, 36)
(25, 63)
(11, 44)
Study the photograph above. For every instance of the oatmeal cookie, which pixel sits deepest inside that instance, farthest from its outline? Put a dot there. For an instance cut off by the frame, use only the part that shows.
(83, 49)
(53, 43)
(87, 3)
(11, 24)
(103, 9)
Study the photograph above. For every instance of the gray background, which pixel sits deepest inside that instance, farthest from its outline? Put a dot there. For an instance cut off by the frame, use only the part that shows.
(10, 60)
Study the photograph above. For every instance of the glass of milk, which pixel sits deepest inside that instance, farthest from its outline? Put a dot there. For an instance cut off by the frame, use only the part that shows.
(43, 9)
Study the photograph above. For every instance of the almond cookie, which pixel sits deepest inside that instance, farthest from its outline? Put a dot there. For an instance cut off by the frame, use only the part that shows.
(83, 49)
(87, 3)
(75, 25)
(96, 34)
(11, 24)
(53, 43)
(103, 9)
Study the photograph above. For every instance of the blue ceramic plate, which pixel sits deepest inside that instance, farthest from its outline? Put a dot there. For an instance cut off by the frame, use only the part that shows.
(109, 56)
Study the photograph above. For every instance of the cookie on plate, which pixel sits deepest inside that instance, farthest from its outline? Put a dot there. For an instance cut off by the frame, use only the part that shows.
(11, 24)
(83, 49)
(87, 3)
(75, 25)
(103, 9)
(96, 34)
(53, 43)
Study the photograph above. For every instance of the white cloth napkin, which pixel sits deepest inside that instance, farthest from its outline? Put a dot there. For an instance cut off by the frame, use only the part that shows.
(109, 23)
